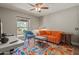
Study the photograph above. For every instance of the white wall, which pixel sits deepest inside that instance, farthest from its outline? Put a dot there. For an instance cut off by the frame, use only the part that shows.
(8, 18)
(41, 21)
(65, 20)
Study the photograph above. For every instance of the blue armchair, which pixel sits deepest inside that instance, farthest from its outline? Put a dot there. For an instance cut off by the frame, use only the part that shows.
(28, 35)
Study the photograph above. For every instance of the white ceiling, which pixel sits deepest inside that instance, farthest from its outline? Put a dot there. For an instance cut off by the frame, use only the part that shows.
(25, 7)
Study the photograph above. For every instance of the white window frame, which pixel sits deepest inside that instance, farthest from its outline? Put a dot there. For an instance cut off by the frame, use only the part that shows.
(27, 26)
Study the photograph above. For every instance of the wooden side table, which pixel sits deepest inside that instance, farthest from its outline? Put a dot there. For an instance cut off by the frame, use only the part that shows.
(67, 38)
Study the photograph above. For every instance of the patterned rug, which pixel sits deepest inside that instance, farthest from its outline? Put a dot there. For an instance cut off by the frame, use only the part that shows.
(45, 49)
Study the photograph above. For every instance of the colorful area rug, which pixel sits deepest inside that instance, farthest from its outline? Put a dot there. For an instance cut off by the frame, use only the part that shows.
(47, 49)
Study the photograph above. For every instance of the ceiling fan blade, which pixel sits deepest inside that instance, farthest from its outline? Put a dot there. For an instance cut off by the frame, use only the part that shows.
(31, 5)
(32, 9)
(44, 7)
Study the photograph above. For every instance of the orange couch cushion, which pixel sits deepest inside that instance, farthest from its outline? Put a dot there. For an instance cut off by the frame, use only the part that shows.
(48, 32)
(42, 32)
(56, 38)
(53, 36)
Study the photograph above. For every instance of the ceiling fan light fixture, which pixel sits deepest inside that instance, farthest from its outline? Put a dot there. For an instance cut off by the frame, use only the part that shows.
(37, 9)
(39, 6)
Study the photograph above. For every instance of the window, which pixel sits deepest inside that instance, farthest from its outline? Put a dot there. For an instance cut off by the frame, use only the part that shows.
(21, 26)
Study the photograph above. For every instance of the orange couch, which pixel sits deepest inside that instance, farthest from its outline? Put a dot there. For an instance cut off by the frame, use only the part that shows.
(52, 36)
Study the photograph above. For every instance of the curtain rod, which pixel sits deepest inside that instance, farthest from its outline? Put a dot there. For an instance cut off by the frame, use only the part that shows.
(23, 17)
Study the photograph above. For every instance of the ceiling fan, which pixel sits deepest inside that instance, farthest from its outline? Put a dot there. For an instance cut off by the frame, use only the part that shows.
(38, 6)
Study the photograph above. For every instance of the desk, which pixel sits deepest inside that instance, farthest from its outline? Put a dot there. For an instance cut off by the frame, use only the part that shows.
(7, 46)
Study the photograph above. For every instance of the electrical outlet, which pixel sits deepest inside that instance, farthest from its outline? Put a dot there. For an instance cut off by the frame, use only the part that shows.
(76, 28)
